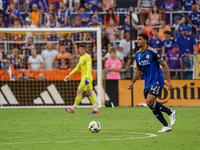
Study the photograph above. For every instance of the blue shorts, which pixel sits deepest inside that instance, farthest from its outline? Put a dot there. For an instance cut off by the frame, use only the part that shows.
(153, 90)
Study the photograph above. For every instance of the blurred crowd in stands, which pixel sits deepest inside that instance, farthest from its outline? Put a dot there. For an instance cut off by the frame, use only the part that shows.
(175, 36)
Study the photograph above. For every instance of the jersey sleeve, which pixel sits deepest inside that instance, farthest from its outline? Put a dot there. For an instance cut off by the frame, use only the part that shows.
(77, 68)
(158, 57)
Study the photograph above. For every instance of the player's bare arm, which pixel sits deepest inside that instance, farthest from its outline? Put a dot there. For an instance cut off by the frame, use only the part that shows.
(166, 69)
(135, 78)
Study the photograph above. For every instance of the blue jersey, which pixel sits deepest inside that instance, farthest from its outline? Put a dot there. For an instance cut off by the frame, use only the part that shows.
(186, 43)
(195, 18)
(168, 44)
(148, 62)
(63, 16)
(188, 4)
(85, 15)
(156, 43)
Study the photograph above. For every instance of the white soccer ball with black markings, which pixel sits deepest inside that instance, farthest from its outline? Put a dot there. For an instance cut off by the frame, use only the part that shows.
(94, 126)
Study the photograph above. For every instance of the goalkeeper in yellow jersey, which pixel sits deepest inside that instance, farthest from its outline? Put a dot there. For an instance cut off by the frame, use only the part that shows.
(85, 64)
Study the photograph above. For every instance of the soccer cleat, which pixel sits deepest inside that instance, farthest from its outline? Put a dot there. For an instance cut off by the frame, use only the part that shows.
(172, 117)
(69, 110)
(165, 129)
(94, 112)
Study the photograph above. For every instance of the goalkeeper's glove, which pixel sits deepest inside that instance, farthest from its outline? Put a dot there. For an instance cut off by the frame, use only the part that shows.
(67, 78)
(87, 81)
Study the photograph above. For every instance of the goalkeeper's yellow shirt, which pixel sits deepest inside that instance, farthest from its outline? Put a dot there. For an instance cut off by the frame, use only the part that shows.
(85, 64)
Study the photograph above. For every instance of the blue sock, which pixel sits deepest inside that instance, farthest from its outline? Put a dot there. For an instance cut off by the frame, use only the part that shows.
(160, 117)
(161, 107)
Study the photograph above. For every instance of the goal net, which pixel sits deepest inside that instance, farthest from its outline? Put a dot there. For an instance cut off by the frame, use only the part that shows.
(35, 61)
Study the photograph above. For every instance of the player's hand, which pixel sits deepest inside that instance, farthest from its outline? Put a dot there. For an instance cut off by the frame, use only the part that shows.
(130, 86)
(169, 85)
(87, 81)
(67, 78)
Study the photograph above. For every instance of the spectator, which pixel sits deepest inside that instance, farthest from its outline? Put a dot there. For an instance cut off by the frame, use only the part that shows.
(29, 23)
(110, 16)
(134, 15)
(108, 4)
(167, 42)
(99, 18)
(187, 64)
(41, 77)
(36, 15)
(27, 47)
(92, 36)
(126, 28)
(187, 41)
(94, 22)
(174, 60)
(144, 7)
(169, 6)
(119, 55)
(52, 24)
(112, 31)
(92, 5)
(35, 62)
(43, 5)
(51, 11)
(155, 16)
(17, 61)
(106, 45)
(194, 18)
(85, 18)
(13, 14)
(65, 59)
(23, 7)
(63, 15)
(73, 5)
(2, 18)
(2, 35)
(78, 36)
(182, 24)
(113, 66)
(187, 5)
(147, 29)
(48, 55)
(5, 6)
(69, 44)
(3, 60)
(16, 36)
(163, 29)
(124, 47)
(156, 41)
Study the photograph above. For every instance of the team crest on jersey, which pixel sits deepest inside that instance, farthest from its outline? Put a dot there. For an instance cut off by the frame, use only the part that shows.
(147, 56)
(188, 39)
(158, 55)
(157, 42)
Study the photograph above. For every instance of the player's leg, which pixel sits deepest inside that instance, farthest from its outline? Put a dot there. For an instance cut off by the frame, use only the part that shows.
(157, 91)
(150, 101)
(77, 100)
(93, 101)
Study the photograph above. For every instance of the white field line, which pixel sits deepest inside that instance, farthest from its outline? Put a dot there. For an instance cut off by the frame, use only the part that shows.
(146, 135)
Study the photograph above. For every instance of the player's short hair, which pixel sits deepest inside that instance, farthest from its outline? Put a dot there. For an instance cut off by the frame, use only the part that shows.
(144, 36)
(82, 45)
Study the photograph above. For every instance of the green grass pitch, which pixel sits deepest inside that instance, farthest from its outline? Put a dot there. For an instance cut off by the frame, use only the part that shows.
(123, 128)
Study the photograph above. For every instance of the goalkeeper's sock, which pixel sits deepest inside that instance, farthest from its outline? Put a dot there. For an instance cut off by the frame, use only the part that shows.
(93, 101)
(77, 101)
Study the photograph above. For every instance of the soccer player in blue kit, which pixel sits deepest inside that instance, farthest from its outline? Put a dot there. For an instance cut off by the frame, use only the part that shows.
(149, 61)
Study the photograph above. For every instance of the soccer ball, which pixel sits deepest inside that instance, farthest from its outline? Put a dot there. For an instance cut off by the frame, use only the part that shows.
(94, 126)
